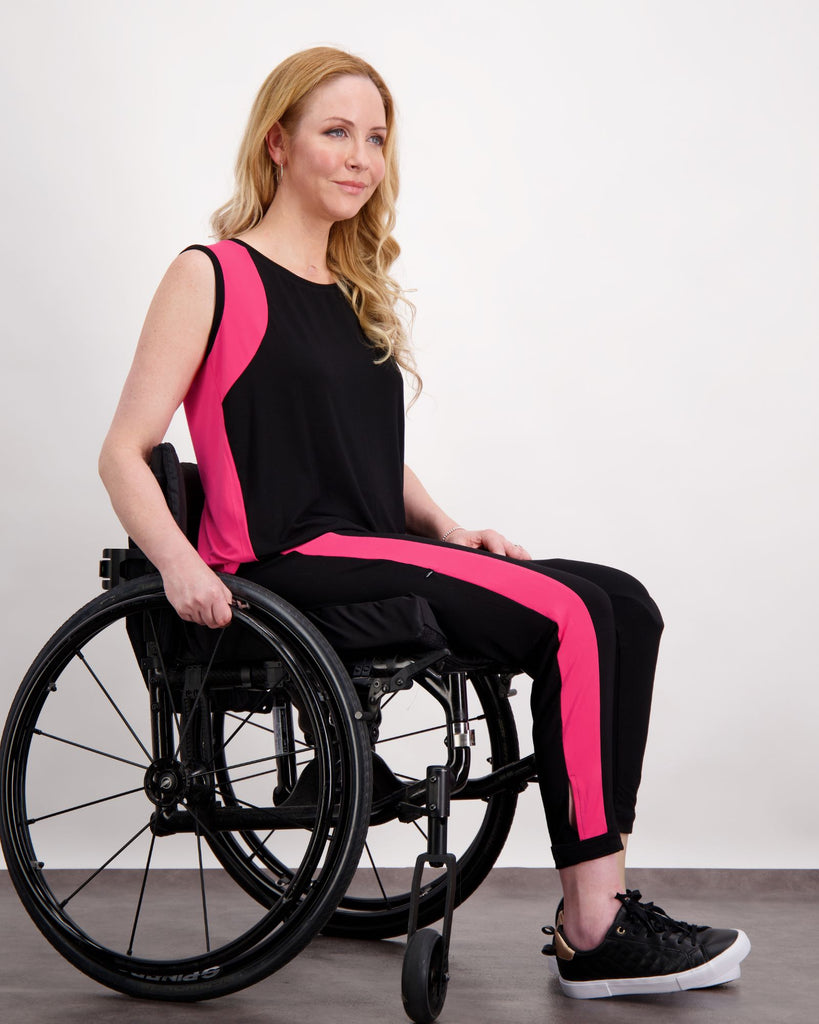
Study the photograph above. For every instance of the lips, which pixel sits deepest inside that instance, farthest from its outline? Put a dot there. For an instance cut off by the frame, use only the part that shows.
(353, 187)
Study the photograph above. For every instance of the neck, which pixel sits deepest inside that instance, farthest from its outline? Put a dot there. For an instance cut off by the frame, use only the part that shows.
(293, 240)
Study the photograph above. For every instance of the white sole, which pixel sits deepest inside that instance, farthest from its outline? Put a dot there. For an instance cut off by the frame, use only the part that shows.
(718, 971)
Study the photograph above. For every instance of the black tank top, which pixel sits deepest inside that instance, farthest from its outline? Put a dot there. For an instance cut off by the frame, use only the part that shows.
(296, 430)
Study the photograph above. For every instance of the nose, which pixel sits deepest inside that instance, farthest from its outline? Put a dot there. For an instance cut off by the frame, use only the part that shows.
(357, 155)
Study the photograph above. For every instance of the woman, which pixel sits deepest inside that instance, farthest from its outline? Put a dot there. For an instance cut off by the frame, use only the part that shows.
(284, 343)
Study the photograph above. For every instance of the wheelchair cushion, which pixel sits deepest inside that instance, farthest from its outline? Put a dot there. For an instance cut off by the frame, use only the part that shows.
(406, 624)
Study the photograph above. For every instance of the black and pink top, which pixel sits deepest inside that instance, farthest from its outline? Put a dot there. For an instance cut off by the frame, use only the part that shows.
(297, 431)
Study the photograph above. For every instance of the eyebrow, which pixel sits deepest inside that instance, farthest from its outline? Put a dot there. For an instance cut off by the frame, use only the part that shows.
(343, 120)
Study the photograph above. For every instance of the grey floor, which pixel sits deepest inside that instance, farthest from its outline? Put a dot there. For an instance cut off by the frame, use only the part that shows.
(498, 974)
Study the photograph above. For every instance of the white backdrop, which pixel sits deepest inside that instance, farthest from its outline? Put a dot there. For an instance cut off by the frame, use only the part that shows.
(609, 215)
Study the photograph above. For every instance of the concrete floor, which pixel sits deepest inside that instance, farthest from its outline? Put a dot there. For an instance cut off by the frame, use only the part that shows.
(498, 974)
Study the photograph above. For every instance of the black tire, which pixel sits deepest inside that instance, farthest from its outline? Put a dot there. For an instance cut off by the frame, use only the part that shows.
(96, 774)
(424, 978)
(378, 905)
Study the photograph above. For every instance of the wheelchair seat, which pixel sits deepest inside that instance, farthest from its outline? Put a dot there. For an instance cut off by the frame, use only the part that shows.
(406, 623)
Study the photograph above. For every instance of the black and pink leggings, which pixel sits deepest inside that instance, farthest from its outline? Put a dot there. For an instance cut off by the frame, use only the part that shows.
(588, 635)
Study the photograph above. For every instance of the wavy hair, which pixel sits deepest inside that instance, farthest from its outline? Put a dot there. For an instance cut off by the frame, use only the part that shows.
(361, 250)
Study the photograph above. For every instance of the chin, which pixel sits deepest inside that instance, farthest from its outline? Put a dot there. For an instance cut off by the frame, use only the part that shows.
(346, 214)
(345, 207)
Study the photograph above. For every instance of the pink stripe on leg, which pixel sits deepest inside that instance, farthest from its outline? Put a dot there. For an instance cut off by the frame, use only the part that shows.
(577, 655)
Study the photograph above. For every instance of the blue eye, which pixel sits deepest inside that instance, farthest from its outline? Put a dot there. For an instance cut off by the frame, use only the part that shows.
(379, 139)
(333, 131)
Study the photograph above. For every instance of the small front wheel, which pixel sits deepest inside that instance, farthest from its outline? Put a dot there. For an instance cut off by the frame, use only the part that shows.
(424, 978)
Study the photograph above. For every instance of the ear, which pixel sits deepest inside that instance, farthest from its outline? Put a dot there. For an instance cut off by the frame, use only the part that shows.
(276, 139)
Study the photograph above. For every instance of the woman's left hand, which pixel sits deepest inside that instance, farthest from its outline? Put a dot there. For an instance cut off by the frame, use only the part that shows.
(489, 540)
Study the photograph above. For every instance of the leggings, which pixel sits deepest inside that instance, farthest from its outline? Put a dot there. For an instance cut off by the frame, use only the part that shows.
(588, 636)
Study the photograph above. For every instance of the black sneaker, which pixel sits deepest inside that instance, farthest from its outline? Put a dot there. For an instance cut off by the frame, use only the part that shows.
(645, 951)
(550, 931)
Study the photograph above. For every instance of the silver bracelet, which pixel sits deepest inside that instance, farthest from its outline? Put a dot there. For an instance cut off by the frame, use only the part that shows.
(454, 528)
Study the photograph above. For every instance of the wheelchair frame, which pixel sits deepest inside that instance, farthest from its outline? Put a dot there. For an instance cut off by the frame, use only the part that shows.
(274, 870)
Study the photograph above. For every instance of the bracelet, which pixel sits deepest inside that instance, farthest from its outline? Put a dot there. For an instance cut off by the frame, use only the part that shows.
(454, 528)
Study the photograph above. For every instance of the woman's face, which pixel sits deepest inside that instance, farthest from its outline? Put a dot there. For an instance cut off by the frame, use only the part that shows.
(334, 160)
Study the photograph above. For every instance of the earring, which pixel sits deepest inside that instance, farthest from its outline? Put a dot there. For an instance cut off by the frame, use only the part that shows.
(279, 173)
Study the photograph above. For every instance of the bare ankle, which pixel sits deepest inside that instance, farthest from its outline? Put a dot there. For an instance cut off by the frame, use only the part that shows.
(589, 901)
(587, 920)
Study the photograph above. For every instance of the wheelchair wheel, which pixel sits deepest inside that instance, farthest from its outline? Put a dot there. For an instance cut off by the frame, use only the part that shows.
(377, 904)
(424, 978)
(108, 762)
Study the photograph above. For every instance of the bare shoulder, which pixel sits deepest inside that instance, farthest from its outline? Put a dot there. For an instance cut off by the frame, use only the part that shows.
(184, 300)
(191, 270)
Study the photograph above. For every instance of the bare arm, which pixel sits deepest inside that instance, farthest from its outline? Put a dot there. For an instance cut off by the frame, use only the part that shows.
(427, 519)
(424, 517)
(170, 350)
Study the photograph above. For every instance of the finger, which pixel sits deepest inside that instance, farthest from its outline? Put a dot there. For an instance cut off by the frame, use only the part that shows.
(497, 547)
(222, 614)
(468, 539)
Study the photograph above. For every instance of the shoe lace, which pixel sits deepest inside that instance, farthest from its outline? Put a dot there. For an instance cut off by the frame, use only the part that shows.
(649, 915)
(654, 918)
(549, 949)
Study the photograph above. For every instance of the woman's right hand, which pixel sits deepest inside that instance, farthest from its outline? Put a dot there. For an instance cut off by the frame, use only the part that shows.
(197, 594)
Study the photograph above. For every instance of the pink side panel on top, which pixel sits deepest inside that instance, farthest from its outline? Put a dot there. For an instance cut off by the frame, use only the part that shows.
(577, 654)
(224, 539)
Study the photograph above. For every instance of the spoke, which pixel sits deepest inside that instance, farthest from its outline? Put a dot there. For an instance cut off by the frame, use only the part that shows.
(162, 669)
(199, 693)
(202, 887)
(418, 732)
(141, 894)
(423, 833)
(92, 750)
(264, 843)
(255, 775)
(406, 778)
(204, 830)
(247, 764)
(392, 696)
(377, 876)
(90, 803)
(261, 846)
(113, 704)
(266, 728)
(245, 803)
(432, 728)
(102, 867)
(238, 728)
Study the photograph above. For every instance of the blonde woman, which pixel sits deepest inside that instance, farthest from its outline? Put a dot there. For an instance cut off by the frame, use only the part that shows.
(283, 339)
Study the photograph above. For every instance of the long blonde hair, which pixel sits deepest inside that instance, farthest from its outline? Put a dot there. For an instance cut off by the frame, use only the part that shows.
(360, 251)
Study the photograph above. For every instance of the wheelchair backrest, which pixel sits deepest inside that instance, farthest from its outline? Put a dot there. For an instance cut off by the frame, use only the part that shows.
(182, 488)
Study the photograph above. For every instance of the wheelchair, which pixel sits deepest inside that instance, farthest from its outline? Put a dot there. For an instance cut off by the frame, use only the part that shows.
(251, 774)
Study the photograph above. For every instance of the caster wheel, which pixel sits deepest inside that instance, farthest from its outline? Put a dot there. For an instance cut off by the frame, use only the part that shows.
(424, 979)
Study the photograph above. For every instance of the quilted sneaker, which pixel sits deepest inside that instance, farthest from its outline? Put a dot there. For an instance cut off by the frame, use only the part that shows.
(645, 951)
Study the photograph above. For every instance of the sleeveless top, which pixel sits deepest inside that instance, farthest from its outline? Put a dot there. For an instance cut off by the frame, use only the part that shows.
(296, 430)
